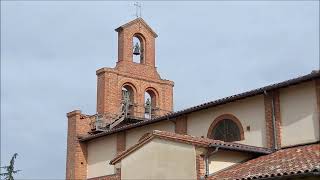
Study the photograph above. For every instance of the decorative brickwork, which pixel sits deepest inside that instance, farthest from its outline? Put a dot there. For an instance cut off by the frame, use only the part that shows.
(181, 125)
(76, 165)
(268, 117)
(222, 117)
(200, 166)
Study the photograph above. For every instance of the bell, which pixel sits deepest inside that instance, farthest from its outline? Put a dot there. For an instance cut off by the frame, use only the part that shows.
(147, 107)
(136, 50)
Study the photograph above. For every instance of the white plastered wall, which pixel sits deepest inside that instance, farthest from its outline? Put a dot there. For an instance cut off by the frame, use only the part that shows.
(223, 159)
(299, 117)
(133, 135)
(100, 152)
(160, 159)
(250, 112)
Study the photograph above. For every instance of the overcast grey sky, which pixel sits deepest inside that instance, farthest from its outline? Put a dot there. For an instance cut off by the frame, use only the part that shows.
(51, 50)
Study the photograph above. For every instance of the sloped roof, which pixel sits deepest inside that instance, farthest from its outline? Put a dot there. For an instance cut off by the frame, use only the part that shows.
(187, 139)
(301, 160)
(308, 77)
(137, 20)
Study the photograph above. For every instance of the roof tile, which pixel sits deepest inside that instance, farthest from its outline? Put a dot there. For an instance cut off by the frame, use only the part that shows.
(188, 139)
(290, 161)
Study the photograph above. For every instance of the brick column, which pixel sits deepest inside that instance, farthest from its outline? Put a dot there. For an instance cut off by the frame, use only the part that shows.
(268, 118)
(121, 142)
(76, 165)
(181, 126)
(317, 87)
(200, 166)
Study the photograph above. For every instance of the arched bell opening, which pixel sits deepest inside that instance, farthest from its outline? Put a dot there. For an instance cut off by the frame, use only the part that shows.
(138, 49)
(150, 101)
(127, 100)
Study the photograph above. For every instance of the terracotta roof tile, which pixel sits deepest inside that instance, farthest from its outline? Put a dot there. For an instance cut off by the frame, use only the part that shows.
(308, 77)
(291, 161)
(187, 139)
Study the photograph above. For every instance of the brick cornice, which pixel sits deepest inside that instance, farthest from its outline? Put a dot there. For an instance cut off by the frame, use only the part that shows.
(73, 113)
(133, 76)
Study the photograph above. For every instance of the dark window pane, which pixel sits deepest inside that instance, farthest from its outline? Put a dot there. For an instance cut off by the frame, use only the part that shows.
(226, 130)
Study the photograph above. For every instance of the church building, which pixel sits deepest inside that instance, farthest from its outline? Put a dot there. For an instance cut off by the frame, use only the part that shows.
(267, 133)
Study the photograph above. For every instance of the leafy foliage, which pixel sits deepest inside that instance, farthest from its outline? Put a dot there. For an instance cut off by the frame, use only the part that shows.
(8, 175)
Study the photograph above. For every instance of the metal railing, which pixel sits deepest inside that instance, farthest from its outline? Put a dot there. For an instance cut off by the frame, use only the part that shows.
(106, 121)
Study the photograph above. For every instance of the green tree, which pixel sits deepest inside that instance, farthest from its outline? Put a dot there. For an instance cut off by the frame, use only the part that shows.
(8, 175)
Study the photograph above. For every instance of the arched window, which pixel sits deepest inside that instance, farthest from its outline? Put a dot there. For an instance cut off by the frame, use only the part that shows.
(226, 128)
(127, 99)
(150, 103)
(138, 49)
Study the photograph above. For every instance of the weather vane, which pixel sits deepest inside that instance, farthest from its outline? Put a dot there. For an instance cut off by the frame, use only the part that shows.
(138, 9)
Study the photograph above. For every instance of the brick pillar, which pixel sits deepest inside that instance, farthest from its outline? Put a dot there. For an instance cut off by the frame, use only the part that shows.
(200, 166)
(121, 146)
(76, 165)
(121, 142)
(101, 91)
(268, 118)
(181, 125)
(317, 87)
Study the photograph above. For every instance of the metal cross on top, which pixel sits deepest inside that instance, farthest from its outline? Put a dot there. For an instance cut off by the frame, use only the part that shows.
(138, 9)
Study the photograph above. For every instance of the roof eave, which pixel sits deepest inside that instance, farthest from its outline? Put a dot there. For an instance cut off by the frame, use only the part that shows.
(119, 29)
(256, 151)
(207, 105)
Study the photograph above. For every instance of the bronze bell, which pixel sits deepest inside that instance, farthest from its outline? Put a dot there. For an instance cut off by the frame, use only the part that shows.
(147, 106)
(136, 50)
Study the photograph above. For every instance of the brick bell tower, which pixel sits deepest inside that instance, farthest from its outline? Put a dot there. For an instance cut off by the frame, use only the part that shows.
(132, 91)
(135, 77)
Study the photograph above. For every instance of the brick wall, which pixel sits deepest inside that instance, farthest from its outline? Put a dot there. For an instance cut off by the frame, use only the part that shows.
(140, 76)
(268, 117)
(76, 164)
(145, 33)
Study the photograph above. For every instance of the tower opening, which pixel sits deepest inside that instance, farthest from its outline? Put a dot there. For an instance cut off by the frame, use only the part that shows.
(127, 100)
(138, 49)
(150, 104)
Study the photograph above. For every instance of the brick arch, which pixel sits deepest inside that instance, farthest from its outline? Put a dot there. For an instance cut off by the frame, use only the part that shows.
(141, 37)
(134, 89)
(155, 92)
(130, 83)
(222, 117)
(143, 46)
